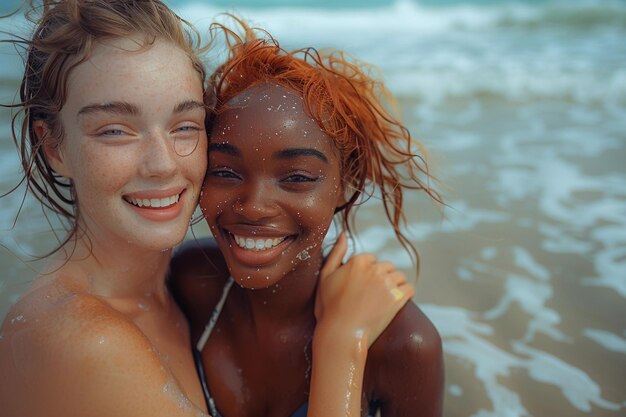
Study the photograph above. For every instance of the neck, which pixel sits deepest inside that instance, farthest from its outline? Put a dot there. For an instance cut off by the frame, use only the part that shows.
(117, 271)
(290, 300)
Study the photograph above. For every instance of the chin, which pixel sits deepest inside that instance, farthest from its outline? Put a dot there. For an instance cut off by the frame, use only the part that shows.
(160, 242)
(255, 278)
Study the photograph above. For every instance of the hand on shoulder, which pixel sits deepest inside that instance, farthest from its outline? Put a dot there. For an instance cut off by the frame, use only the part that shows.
(361, 296)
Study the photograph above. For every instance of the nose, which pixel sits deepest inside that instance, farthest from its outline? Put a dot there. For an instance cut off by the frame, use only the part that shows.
(159, 158)
(257, 201)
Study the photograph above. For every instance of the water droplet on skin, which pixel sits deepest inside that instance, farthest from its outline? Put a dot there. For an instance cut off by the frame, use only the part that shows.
(101, 340)
(304, 255)
(143, 307)
(20, 319)
(416, 338)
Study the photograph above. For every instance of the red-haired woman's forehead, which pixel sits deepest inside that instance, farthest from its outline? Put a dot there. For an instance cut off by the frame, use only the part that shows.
(275, 106)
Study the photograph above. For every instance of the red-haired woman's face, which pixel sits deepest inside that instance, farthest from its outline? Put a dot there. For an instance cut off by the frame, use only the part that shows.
(272, 186)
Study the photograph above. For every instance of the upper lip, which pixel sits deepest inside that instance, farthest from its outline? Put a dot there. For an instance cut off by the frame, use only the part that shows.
(252, 231)
(156, 193)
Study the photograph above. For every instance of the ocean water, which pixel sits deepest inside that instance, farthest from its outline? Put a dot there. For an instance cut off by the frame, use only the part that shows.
(522, 105)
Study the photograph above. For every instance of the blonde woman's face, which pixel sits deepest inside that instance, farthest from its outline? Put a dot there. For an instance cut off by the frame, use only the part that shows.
(135, 142)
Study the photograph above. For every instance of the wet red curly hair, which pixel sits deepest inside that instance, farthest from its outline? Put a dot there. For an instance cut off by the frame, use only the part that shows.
(376, 150)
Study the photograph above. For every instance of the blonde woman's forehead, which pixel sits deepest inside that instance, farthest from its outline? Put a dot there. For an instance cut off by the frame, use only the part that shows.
(121, 56)
(156, 75)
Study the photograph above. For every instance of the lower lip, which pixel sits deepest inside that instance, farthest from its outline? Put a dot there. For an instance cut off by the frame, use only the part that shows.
(160, 214)
(256, 257)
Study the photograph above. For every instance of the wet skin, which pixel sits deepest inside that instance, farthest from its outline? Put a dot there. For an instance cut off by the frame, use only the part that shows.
(98, 334)
(272, 179)
(273, 174)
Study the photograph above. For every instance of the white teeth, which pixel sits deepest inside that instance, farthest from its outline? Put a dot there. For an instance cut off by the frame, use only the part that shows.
(257, 244)
(154, 202)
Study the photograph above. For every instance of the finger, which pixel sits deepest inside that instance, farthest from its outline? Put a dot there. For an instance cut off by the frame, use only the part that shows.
(385, 267)
(407, 290)
(334, 258)
(363, 260)
(402, 292)
(395, 279)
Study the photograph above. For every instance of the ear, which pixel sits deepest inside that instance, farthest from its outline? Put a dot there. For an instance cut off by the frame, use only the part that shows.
(51, 148)
(342, 200)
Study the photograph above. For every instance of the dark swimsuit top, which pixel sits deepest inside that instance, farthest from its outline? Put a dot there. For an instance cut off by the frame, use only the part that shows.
(197, 356)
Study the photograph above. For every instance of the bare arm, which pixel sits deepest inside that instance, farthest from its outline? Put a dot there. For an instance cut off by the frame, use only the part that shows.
(355, 303)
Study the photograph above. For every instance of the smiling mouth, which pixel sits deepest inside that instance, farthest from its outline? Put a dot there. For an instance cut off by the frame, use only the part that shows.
(257, 244)
(153, 202)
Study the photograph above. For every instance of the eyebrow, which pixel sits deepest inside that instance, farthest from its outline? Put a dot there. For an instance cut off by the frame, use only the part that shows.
(123, 107)
(224, 148)
(188, 105)
(115, 107)
(298, 152)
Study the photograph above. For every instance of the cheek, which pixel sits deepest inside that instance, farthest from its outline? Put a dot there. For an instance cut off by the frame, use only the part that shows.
(102, 169)
(316, 214)
(195, 164)
(212, 203)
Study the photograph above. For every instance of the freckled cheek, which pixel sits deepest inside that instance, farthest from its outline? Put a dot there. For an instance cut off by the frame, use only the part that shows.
(196, 163)
(105, 170)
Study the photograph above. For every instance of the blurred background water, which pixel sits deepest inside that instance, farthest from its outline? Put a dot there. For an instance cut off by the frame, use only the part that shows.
(522, 105)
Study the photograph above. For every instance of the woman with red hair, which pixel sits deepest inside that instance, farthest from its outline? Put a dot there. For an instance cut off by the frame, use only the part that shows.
(297, 138)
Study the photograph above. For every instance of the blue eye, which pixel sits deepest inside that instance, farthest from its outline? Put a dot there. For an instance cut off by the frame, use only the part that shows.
(187, 132)
(111, 132)
(188, 129)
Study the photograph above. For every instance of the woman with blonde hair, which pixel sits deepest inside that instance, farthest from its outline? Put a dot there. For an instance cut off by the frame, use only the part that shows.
(111, 132)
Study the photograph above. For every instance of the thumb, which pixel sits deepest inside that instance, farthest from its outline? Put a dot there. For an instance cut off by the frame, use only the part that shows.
(333, 261)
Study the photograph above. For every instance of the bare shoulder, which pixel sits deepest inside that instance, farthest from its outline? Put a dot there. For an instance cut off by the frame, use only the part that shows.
(405, 371)
(52, 323)
(196, 277)
(410, 333)
(75, 355)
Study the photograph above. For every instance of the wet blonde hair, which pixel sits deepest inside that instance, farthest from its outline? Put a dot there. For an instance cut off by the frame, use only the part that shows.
(65, 34)
(352, 107)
